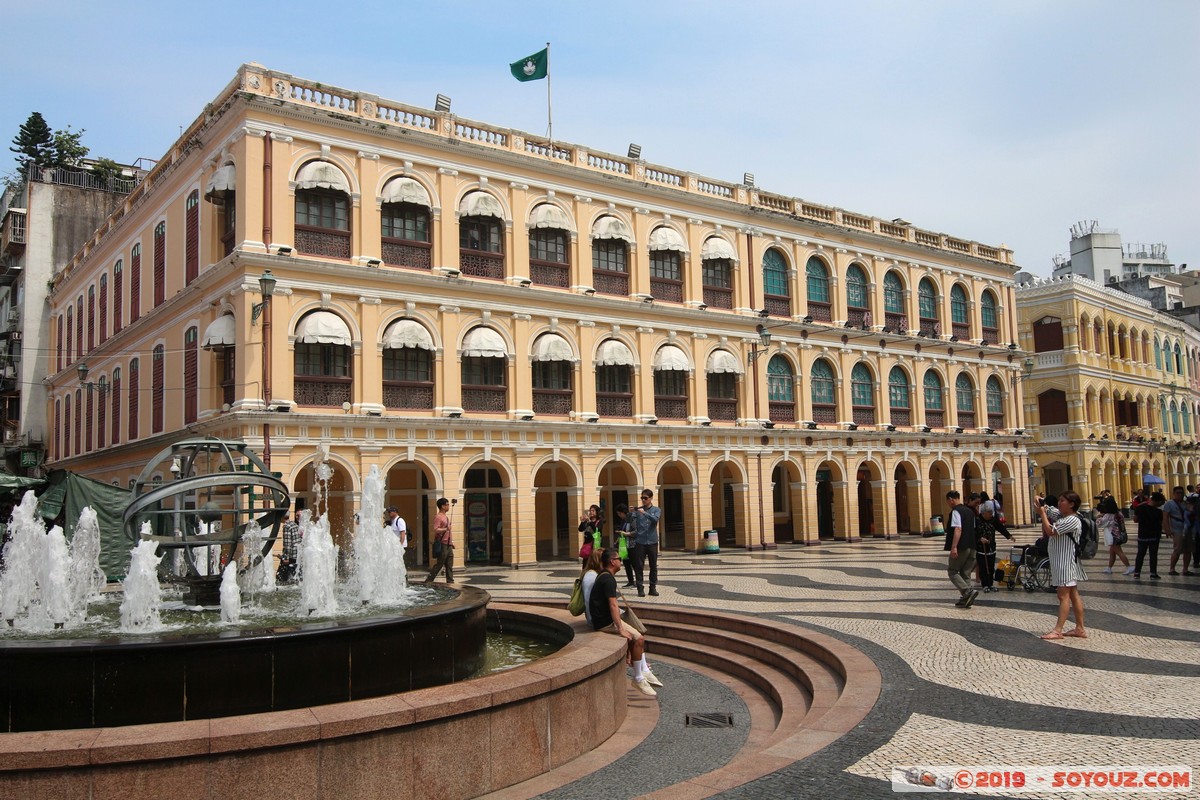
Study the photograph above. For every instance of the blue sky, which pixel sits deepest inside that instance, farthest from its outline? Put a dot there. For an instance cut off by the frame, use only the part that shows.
(1003, 122)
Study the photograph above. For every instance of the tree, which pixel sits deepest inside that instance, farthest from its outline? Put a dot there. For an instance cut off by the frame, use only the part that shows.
(34, 142)
(68, 150)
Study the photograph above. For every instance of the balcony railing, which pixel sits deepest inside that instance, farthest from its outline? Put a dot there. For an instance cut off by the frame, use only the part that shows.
(407, 396)
(722, 409)
(318, 242)
(779, 411)
(332, 392)
(399, 253)
(485, 398)
(481, 265)
(614, 405)
(553, 402)
(12, 234)
(670, 407)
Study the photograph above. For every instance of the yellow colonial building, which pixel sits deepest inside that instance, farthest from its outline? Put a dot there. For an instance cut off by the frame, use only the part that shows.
(530, 327)
(1112, 395)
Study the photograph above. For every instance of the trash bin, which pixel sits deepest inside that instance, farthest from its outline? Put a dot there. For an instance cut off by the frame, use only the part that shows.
(711, 543)
(935, 524)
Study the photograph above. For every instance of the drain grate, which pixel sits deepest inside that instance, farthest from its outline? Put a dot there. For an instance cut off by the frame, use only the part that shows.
(709, 720)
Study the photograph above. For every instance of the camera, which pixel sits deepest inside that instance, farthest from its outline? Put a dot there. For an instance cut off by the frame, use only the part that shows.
(1041, 501)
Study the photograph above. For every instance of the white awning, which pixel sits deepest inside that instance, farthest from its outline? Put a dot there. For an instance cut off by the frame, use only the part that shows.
(407, 333)
(222, 182)
(614, 354)
(323, 327)
(405, 190)
(552, 347)
(664, 238)
(321, 175)
(611, 228)
(716, 247)
(670, 358)
(220, 333)
(551, 216)
(480, 204)
(722, 361)
(484, 343)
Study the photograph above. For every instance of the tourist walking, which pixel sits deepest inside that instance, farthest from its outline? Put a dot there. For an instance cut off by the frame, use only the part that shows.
(291, 543)
(960, 541)
(1111, 524)
(1065, 570)
(1150, 530)
(644, 522)
(1181, 539)
(396, 523)
(987, 527)
(606, 616)
(590, 525)
(443, 543)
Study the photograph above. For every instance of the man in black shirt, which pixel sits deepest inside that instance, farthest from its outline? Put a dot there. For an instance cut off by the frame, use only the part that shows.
(606, 616)
(960, 541)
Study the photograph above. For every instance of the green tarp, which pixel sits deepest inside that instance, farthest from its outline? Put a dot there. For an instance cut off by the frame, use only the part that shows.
(68, 494)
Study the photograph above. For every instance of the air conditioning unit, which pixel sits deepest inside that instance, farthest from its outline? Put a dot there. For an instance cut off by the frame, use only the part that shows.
(14, 318)
(10, 436)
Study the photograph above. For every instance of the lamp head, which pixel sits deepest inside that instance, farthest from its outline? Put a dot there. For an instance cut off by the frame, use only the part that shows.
(266, 283)
(764, 336)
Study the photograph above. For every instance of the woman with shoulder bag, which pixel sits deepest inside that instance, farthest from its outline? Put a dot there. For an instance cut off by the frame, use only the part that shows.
(589, 525)
(1113, 524)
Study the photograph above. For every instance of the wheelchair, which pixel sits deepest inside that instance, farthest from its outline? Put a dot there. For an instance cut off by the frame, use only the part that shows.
(1031, 567)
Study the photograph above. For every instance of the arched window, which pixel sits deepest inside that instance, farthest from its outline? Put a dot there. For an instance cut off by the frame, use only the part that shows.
(995, 403)
(1048, 335)
(935, 414)
(610, 256)
(724, 370)
(716, 272)
(553, 375)
(158, 382)
(191, 374)
(1178, 360)
(79, 324)
(91, 319)
(817, 281)
(484, 371)
(103, 308)
(895, 314)
(221, 191)
(964, 396)
(134, 388)
(116, 406)
(481, 238)
(89, 418)
(78, 422)
(900, 405)
(824, 393)
(1174, 418)
(614, 380)
(135, 283)
(322, 210)
(118, 303)
(858, 297)
(191, 238)
(408, 351)
(671, 369)
(67, 426)
(777, 291)
(160, 264)
(323, 353)
(549, 246)
(781, 390)
(58, 431)
(70, 333)
(58, 344)
(927, 305)
(102, 413)
(960, 313)
(988, 318)
(404, 216)
(666, 264)
(1186, 414)
(862, 395)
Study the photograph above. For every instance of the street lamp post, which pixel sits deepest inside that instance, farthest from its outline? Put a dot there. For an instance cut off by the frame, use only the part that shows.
(266, 285)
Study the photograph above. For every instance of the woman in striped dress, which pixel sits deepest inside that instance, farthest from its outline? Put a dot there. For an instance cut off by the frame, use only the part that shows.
(1065, 571)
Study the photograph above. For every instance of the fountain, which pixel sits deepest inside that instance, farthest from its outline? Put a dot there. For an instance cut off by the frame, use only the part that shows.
(336, 675)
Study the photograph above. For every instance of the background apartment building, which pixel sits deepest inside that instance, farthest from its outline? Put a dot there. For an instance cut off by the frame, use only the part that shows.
(530, 327)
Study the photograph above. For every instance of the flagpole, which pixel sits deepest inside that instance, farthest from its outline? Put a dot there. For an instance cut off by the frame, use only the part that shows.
(549, 107)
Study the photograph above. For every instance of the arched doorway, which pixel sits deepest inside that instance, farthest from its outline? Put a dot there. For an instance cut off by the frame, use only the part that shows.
(829, 480)
(902, 477)
(618, 486)
(939, 484)
(788, 501)
(558, 511)
(483, 510)
(335, 497)
(726, 480)
(409, 490)
(868, 481)
(676, 485)
(972, 479)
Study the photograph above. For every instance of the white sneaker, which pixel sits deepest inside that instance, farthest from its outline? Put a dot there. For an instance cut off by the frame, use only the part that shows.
(1129, 571)
(651, 678)
(1107, 571)
(644, 687)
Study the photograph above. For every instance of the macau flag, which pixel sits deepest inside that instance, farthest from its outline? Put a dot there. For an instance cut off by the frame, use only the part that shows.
(531, 68)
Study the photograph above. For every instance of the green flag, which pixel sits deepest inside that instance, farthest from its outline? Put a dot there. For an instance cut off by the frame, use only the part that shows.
(531, 68)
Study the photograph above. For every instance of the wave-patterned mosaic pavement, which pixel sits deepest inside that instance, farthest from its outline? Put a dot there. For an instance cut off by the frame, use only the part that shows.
(960, 686)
